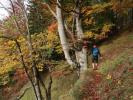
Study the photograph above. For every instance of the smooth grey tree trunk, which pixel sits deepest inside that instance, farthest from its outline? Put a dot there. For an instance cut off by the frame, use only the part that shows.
(62, 35)
(81, 55)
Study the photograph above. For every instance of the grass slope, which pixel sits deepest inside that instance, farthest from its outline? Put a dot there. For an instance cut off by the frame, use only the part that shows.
(114, 79)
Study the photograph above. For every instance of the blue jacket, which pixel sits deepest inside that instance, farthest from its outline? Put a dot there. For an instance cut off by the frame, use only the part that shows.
(95, 52)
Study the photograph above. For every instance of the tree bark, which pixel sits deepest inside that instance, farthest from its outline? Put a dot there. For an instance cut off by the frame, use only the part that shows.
(81, 55)
(24, 66)
(62, 35)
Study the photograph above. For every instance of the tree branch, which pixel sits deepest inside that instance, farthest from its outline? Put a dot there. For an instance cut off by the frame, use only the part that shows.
(67, 11)
(42, 83)
(50, 9)
(6, 37)
(5, 8)
(22, 94)
(69, 32)
(14, 14)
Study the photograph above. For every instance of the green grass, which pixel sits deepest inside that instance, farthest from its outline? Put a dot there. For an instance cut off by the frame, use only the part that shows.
(110, 65)
(124, 58)
(62, 85)
(29, 95)
(120, 48)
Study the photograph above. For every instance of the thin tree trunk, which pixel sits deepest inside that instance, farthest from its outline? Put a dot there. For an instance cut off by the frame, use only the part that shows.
(49, 88)
(24, 66)
(132, 16)
(29, 42)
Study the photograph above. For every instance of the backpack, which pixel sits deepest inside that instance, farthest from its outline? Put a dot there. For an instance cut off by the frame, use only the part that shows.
(95, 51)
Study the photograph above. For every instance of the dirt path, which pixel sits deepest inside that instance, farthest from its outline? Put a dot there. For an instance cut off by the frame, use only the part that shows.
(91, 88)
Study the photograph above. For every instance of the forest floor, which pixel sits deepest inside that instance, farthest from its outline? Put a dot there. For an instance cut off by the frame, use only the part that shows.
(112, 81)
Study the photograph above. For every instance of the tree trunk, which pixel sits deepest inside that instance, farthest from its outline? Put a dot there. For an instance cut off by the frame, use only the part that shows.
(132, 16)
(81, 55)
(25, 68)
(36, 83)
(49, 88)
(29, 42)
(62, 35)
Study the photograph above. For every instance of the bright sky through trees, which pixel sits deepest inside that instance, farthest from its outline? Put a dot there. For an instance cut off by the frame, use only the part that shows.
(3, 12)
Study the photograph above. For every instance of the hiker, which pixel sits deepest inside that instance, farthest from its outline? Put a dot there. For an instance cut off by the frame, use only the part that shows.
(95, 52)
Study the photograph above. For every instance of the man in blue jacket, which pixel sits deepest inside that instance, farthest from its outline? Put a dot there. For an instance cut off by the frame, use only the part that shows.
(95, 56)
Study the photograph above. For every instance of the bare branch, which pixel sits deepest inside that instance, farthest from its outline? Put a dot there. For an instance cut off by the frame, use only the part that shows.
(67, 11)
(12, 7)
(15, 21)
(6, 37)
(22, 94)
(69, 31)
(49, 87)
(50, 9)
(2, 6)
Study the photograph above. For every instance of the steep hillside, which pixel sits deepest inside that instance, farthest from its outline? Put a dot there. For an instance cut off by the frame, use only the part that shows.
(114, 78)
(112, 81)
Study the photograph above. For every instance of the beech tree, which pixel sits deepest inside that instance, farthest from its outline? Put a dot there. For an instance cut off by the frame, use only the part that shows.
(92, 13)
(81, 56)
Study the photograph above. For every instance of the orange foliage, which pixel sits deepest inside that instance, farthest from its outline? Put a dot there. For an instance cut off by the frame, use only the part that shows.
(20, 79)
(52, 27)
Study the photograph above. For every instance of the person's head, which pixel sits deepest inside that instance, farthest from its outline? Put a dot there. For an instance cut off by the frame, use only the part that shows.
(94, 45)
